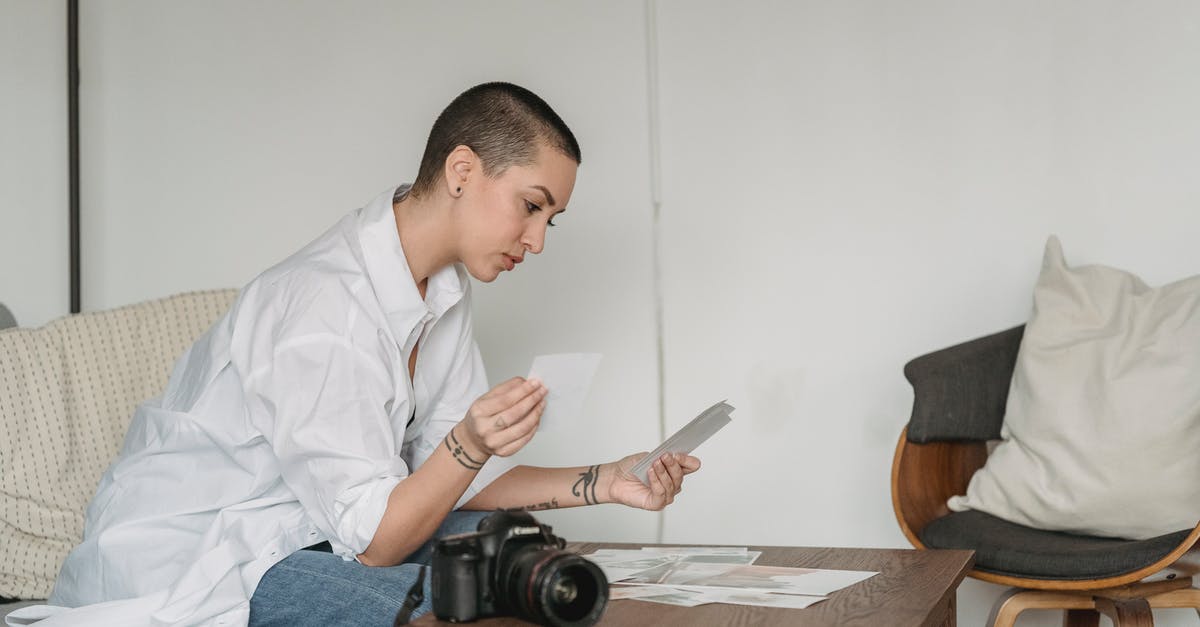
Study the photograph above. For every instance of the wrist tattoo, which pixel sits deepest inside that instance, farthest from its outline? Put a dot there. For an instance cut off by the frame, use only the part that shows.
(459, 453)
(586, 485)
(552, 504)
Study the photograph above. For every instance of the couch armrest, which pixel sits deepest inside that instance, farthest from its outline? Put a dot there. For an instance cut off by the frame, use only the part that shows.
(6, 318)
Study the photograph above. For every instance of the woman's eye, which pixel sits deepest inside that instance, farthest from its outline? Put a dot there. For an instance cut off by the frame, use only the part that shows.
(531, 207)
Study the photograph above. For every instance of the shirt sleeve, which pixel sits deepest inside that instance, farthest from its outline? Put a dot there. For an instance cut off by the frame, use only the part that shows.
(319, 387)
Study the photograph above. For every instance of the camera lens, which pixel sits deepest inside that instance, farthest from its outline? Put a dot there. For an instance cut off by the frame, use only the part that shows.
(563, 591)
(553, 587)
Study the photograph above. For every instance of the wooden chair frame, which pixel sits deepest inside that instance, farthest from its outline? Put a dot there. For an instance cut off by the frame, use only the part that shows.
(924, 476)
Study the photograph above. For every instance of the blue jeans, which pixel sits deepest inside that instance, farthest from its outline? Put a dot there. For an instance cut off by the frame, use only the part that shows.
(317, 588)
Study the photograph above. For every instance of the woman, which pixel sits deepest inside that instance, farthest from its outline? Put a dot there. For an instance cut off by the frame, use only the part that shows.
(341, 404)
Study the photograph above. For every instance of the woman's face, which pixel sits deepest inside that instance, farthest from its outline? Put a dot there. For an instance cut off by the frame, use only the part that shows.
(506, 217)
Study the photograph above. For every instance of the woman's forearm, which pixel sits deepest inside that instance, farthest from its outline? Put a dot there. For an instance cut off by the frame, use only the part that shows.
(533, 488)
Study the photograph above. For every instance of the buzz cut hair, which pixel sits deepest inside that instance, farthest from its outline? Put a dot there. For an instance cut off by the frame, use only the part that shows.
(504, 124)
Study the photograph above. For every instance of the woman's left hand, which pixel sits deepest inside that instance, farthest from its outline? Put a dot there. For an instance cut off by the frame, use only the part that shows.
(665, 476)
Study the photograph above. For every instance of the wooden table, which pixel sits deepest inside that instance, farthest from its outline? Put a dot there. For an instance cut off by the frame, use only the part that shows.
(913, 588)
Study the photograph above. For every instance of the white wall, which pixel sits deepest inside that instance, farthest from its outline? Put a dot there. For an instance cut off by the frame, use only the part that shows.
(845, 186)
(850, 185)
(34, 283)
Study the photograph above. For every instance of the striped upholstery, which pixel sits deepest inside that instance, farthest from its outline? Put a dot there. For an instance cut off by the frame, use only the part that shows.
(67, 392)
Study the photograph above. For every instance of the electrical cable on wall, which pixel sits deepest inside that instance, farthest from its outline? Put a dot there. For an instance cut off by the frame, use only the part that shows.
(73, 150)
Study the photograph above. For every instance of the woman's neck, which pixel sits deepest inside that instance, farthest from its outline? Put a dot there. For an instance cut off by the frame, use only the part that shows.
(426, 235)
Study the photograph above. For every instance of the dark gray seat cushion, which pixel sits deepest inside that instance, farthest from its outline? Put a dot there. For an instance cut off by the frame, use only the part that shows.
(1006, 548)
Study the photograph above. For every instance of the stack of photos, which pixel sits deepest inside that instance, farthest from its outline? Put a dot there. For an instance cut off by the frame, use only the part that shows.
(691, 576)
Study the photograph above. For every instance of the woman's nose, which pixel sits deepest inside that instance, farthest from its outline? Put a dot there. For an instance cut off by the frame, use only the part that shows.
(535, 239)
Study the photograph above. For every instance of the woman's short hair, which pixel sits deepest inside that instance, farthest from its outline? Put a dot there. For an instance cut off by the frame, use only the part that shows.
(503, 123)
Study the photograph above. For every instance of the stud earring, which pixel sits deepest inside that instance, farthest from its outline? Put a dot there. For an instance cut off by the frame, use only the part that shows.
(457, 190)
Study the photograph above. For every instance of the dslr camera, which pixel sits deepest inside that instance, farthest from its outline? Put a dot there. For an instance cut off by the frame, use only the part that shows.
(514, 566)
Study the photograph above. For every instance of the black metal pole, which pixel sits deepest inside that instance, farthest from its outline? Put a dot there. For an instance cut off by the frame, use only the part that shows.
(73, 156)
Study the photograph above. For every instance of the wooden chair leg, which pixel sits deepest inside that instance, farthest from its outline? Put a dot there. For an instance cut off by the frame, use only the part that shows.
(1005, 610)
(1083, 610)
(1189, 597)
(1081, 618)
(1126, 612)
(1012, 603)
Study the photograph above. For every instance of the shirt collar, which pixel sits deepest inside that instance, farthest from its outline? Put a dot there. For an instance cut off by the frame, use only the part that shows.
(390, 276)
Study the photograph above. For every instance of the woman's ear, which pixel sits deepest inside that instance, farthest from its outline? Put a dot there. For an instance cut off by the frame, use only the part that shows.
(461, 165)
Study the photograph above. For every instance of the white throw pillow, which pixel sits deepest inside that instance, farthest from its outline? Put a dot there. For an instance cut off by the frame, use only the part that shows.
(1101, 434)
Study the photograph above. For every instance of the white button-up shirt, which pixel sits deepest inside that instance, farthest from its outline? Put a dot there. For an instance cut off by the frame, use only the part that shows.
(284, 425)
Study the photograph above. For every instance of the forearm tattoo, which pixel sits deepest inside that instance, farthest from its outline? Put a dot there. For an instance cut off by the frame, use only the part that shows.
(552, 504)
(459, 453)
(586, 485)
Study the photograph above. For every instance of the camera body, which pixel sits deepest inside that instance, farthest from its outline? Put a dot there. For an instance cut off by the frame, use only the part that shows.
(515, 566)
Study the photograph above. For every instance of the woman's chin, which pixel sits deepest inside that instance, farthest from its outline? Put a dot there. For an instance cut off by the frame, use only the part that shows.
(486, 276)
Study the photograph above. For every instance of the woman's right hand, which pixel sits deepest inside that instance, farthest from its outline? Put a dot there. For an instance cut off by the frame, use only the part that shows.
(505, 419)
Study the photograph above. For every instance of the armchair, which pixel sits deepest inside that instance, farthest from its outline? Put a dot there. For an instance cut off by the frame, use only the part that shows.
(959, 402)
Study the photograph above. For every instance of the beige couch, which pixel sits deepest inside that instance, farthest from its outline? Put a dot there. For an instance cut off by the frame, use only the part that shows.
(67, 392)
